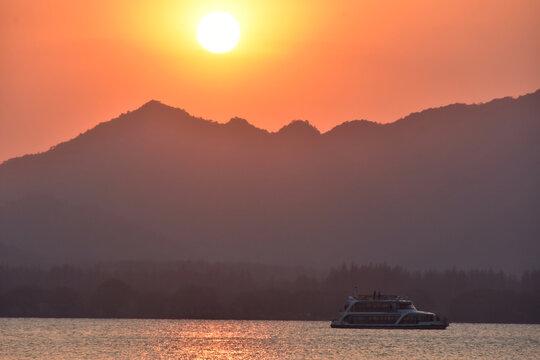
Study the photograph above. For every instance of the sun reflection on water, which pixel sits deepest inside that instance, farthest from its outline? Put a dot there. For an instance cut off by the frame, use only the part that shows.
(207, 339)
(199, 339)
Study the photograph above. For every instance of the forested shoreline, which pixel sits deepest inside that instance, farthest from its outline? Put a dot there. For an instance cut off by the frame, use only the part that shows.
(203, 290)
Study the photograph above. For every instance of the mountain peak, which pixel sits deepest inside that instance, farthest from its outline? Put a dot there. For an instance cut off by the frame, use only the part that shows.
(238, 122)
(153, 104)
(354, 126)
(299, 128)
(240, 125)
(156, 109)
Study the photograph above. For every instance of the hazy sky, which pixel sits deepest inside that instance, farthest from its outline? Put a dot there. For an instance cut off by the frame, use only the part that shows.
(67, 65)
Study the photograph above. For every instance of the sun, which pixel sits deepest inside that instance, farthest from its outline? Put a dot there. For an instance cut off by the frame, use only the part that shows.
(218, 32)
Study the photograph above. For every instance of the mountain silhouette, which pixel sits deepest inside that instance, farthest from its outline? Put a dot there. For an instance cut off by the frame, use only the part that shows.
(449, 186)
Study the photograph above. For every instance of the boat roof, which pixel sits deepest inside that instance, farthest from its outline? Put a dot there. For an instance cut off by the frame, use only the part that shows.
(379, 297)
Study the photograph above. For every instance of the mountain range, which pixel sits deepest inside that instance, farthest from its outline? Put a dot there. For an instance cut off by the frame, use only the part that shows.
(455, 186)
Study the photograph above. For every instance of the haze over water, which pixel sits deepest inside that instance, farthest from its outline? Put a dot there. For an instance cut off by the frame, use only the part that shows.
(232, 339)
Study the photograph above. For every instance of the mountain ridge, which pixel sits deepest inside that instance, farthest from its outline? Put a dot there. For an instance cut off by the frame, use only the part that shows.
(452, 186)
(352, 125)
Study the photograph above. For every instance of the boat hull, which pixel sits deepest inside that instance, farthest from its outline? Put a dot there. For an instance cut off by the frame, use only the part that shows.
(402, 326)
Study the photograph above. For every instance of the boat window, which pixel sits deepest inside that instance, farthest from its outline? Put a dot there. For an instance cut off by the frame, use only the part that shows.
(371, 319)
(416, 318)
(372, 307)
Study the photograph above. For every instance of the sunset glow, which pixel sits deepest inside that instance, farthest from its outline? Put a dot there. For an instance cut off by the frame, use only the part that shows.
(67, 67)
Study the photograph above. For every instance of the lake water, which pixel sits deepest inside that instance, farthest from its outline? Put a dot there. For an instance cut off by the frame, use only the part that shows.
(209, 339)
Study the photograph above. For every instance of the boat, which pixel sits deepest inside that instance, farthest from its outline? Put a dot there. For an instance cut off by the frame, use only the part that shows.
(385, 312)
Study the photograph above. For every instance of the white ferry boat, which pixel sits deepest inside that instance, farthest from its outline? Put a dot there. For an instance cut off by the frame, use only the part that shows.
(385, 312)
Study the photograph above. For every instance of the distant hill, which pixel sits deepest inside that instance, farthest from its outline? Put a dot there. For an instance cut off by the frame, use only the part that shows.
(451, 186)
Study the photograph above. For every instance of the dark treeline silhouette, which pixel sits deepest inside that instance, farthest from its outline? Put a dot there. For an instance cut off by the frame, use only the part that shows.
(248, 291)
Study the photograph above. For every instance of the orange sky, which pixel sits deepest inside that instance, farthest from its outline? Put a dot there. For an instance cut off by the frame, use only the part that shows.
(66, 65)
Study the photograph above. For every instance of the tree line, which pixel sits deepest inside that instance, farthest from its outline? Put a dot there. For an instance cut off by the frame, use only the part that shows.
(206, 290)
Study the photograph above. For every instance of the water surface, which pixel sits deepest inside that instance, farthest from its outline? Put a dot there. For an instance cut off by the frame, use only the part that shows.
(209, 339)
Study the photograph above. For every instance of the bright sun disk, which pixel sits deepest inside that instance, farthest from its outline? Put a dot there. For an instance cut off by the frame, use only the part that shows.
(218, 32)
